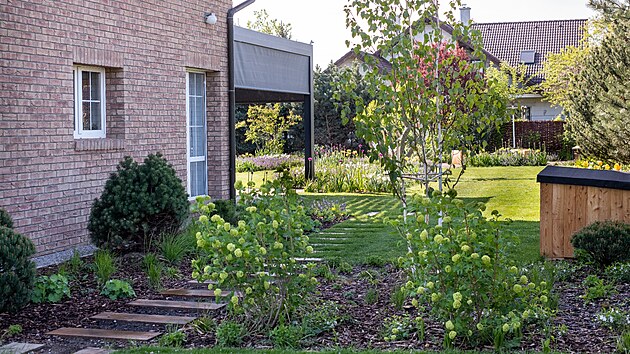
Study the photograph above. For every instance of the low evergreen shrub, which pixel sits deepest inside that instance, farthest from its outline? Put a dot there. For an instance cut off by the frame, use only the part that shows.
(17, 271)
(138, 202)
(5, 219)
(603, 242)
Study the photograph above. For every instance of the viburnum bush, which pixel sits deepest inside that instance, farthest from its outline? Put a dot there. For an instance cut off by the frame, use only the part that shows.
(461, 275)
(256, 258)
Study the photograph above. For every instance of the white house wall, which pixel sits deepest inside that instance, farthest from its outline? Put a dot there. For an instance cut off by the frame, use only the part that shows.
(541, 110)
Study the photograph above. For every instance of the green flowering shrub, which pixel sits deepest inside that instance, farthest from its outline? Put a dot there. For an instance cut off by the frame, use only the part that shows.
(460, 272)
(139, 201)
(257, 256)
(17, 271)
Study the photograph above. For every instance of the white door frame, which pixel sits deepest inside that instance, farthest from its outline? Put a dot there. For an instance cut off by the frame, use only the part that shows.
(204, 158)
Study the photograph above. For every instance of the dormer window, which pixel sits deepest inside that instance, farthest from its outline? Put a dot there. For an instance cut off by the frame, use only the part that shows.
(528, 56)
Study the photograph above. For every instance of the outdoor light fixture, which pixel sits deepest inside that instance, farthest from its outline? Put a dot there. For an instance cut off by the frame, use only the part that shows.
(210, 18)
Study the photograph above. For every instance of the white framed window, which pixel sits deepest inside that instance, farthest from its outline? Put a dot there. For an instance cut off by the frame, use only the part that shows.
(89, 102)
(197, 133)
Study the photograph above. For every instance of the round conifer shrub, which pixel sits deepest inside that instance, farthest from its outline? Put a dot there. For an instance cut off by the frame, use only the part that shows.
(17, 270)
(5, 219)
(138, 203)
(604, 242)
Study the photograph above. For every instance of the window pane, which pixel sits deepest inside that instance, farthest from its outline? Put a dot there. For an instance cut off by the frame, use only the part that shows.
(200, 141)
(191, 85)
(193, 180)
(95, 84)
(191, 111)
(85, 119)
(95, 117)
(200, 112)
(85, 85)
(201, 178)
(200, 85)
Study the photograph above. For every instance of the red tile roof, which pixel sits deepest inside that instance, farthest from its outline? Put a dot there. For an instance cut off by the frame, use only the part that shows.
(506, 40)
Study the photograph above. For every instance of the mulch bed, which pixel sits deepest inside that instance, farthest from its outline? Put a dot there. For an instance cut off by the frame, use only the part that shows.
(361, 325)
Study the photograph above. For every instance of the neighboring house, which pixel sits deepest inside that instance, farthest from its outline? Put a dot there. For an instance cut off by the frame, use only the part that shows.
(526, 43)
(85, 83)
(529, 43)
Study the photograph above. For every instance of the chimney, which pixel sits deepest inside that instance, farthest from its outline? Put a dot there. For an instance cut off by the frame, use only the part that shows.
(464, 14)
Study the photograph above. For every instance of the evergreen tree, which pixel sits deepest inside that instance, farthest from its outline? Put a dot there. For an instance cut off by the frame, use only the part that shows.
(599, 98)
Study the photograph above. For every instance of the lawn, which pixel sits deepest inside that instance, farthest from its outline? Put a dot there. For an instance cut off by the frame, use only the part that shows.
(512, 191)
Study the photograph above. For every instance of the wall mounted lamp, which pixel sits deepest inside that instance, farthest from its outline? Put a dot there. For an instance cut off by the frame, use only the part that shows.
(210, 18)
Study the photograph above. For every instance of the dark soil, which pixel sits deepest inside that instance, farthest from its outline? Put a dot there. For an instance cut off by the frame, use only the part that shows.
(576, 328)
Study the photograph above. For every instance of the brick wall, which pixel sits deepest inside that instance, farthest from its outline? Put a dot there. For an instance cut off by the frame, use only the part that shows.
(535, 134)
(48, 179)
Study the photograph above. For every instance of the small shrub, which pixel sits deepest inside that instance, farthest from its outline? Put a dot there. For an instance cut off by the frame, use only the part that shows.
(153, 269)
(265, 242)
(230, 334)
(17, 271)
(75, 263)
(13, 330)
(605, 242)
(323, 271)
(319, 319)
(174, 247)
(371, 297)
(172, 273)
(375, 261)
(50, 289)
(328, 211)
(116, 289)
(614, 319)
(286, 337)
(618, 273)
(623, 343)
(174, 338)
(463, 273)
(104, 266)
(596, 288)
(228, 210)
(370, 275)
(398, 328)
(398, 298)
(138, 202)
(204, 325)
(5, 219)
(509, 157)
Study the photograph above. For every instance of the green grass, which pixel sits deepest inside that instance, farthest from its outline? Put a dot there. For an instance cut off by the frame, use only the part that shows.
(512, 191)
(258, 177)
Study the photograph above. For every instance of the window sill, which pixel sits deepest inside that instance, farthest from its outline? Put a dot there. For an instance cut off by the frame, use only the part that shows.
(99, 144)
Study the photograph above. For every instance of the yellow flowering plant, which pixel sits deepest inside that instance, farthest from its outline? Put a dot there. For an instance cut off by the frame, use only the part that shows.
(460, 272)
(256, 259)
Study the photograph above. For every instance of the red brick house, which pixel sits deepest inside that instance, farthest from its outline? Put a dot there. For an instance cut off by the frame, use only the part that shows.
(85, 83)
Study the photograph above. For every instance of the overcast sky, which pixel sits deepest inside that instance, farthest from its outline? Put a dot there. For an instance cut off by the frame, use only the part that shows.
(323, 21)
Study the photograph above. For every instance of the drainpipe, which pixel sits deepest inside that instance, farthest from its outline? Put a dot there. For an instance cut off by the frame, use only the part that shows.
(232, 92)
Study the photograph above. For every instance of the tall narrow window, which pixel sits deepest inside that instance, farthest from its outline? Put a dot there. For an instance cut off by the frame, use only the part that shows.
(89, 102)
(197, 146)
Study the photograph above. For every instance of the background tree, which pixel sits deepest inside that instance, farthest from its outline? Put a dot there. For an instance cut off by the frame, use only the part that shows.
(266, 127)
(271, 26)
(598, 101)
(329, 127)
(425, 105)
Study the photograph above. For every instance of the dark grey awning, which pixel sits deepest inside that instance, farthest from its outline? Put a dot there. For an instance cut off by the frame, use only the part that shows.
(270, 69)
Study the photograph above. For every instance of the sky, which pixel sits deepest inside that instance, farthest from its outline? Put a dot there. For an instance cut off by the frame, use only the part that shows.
(323, 21)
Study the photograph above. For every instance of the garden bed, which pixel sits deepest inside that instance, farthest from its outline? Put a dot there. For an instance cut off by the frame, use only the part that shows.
(360, 319)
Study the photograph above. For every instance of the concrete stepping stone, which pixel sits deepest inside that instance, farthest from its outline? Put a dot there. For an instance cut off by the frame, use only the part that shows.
(181, 305)
(332, 233)
(372, 213)
(195, 293)
(206, 282)
(308, 259)
(104, 334)
(92, 350)
(137, 317)
(332, 239)
(19, 348)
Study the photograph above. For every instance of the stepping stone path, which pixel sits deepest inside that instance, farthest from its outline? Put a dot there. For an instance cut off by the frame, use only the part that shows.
(104, 333)
(91, 350)
(19, 348)
(165, 305)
